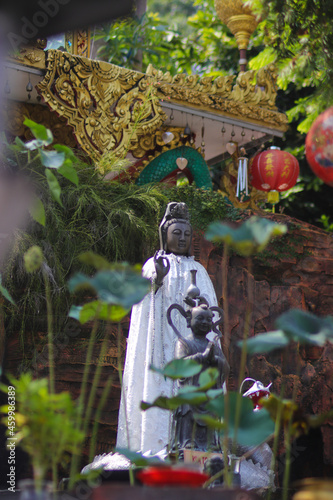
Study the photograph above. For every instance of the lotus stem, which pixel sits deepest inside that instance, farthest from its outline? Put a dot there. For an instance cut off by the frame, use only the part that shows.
(100, 407)
(120, 374)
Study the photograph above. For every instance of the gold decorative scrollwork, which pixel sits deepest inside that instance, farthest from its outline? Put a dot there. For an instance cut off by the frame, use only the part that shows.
(116, 109)
(252, 97)
(14, 113)
(30, 56)
(110, 108)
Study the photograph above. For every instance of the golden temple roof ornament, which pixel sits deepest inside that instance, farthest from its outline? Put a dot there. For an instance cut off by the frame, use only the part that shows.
(120, 110)
(241, 22)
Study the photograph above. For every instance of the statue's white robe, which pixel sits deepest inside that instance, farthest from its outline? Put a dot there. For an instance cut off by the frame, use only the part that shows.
(151, 340)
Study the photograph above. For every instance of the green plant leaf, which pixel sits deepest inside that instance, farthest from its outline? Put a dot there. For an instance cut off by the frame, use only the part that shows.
(123, 286)
(265, 342)
(254, 426)
(140, 460)
(305, 327)
(39, 131)
(37, 211)
(54, 186)
(69, 172)
(179, 368)
(208, 378)
(211, 422)
(251, 237)
(4, 292)
(91, 310)
(182, 398)
(52, 159)
(20, 144)
(66, 150)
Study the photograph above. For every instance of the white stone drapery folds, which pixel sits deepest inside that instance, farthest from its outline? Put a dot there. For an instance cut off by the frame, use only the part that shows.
(151, 340)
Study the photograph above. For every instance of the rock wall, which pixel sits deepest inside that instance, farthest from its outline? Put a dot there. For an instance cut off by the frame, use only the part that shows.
(295, 271)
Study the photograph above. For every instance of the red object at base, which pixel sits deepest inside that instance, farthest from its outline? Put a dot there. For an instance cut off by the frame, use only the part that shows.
(171, 476)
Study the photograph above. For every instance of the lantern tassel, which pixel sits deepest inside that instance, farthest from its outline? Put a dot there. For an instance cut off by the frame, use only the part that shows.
(242, 181)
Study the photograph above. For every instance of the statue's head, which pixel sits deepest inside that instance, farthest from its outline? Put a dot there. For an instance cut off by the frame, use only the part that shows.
(176, 230)
(201, 321)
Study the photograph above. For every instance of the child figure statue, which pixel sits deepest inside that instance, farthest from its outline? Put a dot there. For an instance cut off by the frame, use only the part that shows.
(186, 432)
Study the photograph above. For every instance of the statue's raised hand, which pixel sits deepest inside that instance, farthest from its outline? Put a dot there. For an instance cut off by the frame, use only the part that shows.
(162, 267)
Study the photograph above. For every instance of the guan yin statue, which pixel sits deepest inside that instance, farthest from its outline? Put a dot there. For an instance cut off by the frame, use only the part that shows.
(156, 336)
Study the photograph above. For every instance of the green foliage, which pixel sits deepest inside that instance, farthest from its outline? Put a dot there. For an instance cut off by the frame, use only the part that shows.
(204, 206)
(327, 224)
(305, 327)
(266, 342)
(44, 423)
(175, 43)
(179, 368)
(300, 34)
(252, 428)
(117, 289)
(251, 237)
(289, 411)
(295, 325)
(4, 292)
(60, 158)
(117, 221)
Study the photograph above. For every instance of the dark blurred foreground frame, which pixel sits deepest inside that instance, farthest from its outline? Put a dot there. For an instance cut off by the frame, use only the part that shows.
(21, 21)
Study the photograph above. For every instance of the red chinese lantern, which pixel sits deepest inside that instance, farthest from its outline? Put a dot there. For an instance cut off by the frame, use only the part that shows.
(319, 146)
(273, 171)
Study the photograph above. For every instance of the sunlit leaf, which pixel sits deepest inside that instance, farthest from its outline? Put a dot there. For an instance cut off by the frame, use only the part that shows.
(4, 292)
(265, 342)
(272, 404)
(289, 412)
(254, 426)
(69, 172)
(37, 211)
(179, 368)
(99, 310)
(209, 421)
(251, 237)
(66, 150)
(54, 186)
(39, 131)
(305, 327)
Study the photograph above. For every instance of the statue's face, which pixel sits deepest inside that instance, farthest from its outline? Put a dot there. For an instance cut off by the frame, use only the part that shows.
(201, 322)
(179, 238)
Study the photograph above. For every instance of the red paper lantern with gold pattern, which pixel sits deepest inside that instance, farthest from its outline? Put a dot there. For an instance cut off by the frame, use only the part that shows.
(273, 171)
(319, 146)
